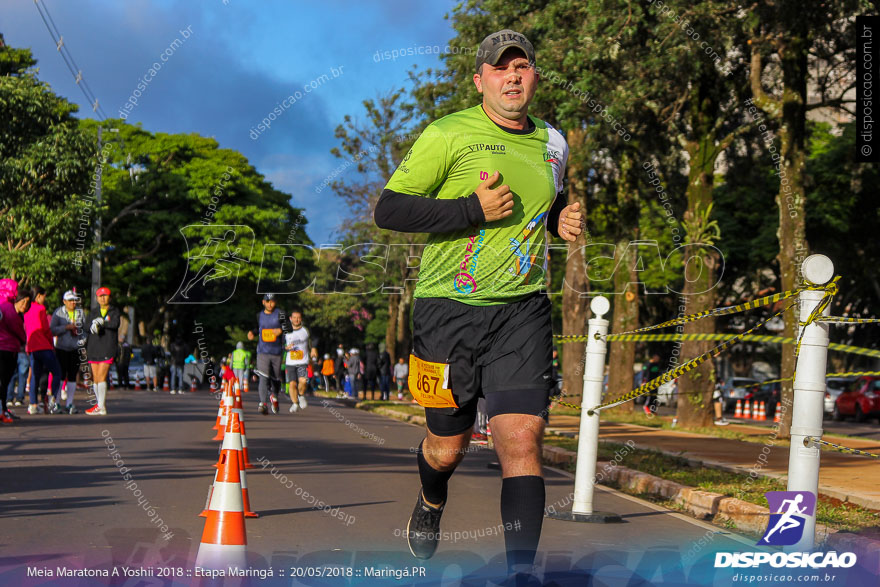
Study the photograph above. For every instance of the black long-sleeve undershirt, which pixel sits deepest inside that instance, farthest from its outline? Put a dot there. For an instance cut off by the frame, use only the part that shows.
(556, 209)
(409, 213)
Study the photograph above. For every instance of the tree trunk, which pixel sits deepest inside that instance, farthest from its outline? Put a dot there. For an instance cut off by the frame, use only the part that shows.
(793, 248)
(391, 326)
(694, 407)
(574, 290)
(621, 356)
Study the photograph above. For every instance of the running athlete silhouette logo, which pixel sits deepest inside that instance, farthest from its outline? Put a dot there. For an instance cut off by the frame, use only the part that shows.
(789, 510)
(520, 247)
(213, 263)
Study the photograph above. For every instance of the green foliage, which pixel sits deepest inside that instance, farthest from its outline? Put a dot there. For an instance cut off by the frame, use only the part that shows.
(45, 167)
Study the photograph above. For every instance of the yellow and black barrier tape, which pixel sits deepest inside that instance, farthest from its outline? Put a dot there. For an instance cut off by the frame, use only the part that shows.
(562, 339)
(845, 320)
(854, 374)
(812, 440)
(830, 289)
(682, 369)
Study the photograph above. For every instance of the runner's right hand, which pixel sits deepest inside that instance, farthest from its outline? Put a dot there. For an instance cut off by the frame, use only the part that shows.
(497, 203)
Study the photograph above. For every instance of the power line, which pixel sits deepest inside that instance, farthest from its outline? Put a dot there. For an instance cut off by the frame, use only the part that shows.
(69, 61)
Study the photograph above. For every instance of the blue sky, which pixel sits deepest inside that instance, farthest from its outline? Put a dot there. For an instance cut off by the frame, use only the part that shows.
(242, 58)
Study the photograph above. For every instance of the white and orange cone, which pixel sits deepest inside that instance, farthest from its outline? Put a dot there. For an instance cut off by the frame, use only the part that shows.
(777, 417)
(762, 412)
(747, 412)
(233, 440)
(224, 540)
(739, 409)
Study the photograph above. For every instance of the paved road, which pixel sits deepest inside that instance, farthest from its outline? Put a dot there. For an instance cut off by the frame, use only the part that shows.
(63, 502)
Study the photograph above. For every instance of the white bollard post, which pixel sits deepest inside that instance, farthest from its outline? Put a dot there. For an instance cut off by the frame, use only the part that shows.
(588, 441)
(809, 393)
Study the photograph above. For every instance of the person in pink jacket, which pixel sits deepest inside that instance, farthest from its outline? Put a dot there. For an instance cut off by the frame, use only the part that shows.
(12, 336)
(41, 350)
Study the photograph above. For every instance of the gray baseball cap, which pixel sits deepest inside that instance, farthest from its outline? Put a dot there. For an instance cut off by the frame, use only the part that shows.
(494, 45)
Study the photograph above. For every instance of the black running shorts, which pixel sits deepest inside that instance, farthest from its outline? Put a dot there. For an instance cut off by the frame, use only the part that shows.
(502, 352)
(69, 362)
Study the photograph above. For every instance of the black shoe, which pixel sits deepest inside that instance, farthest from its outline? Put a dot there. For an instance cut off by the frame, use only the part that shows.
(423, 529)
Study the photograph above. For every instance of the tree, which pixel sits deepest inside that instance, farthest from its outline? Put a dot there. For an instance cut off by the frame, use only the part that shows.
(46, 206)
(159, 187)
(375, 147)
(788, 38)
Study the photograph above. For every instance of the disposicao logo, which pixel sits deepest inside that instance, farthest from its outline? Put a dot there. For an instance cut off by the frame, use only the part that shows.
(788, 513)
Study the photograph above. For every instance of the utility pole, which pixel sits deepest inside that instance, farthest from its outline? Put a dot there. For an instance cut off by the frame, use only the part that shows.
(96, 260)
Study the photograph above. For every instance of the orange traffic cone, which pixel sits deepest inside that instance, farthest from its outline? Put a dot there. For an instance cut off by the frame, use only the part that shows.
(224, 539)
(777, 417)
(137, 383)
(225, 407)
(234, 439)
(747, 412)
(192, 385)
(762, 412)
(247, 387)
(739, 409)
(165, 384)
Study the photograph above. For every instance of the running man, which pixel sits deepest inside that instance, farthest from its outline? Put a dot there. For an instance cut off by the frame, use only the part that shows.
(786, 522)
(269, 350)
(296, 345)
(68, 326)
(102, 347)
(475, 180)
(241, 363)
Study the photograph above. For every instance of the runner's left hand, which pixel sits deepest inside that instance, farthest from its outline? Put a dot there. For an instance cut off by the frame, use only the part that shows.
(570, 220)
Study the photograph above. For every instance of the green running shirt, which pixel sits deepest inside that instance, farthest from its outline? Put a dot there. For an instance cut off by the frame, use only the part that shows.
(501, 261)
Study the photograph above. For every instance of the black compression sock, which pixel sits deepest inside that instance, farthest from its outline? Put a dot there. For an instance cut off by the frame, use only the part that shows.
(522, 511)
(434, 482)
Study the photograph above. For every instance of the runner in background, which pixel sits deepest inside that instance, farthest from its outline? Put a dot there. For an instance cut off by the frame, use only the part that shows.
(12, 336)
(339, 370)
(384, 373)
(327, 371)
(149, 353)
(296, 345)
(269, 329)
(241, 363)
(401, 372)
(102, 347)
(42, 352)
(68, 326)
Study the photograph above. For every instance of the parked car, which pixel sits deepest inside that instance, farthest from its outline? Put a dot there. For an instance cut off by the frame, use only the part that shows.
(834, 386)
(735, 388)
(861, 400)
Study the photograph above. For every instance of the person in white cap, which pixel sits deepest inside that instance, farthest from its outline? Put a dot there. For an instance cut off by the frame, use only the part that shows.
(68, 325)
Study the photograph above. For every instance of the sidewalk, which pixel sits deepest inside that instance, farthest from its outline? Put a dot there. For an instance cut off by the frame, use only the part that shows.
(842, 476)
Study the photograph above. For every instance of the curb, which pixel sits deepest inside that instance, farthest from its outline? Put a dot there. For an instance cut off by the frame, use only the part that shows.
(835, 493)
(715, 507)
(413, 419)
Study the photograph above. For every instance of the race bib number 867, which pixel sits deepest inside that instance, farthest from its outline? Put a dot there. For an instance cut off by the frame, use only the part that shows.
(429, 383)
